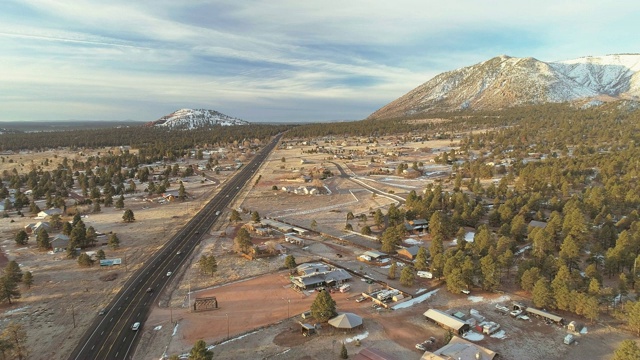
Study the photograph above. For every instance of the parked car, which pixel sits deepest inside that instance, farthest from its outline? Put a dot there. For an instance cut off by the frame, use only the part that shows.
(361, 299)
(135, 326)
(515, 313)
(465, 291)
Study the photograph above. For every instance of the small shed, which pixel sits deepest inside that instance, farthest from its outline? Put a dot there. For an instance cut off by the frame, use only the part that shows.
(409, 252)
(59, 242)
(447, 321)
(307, 329)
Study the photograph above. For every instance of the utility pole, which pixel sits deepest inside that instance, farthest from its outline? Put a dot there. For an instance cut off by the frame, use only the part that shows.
(171, 314)
(73, 316)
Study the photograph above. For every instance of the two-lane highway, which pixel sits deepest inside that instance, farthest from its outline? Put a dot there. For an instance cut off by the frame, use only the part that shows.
(110, 336)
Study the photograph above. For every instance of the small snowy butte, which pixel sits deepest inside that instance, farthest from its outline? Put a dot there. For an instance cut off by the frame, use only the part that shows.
(188, 119)
(505, 81)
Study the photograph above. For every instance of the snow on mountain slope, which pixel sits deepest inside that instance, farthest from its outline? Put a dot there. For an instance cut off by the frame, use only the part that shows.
(192, 119)
(506, 81)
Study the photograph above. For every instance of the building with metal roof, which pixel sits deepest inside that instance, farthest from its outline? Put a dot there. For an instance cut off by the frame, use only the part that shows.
(447, 321)
(460, 349)
(315, 275)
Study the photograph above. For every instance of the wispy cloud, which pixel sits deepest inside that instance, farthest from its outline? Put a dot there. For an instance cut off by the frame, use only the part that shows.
(271, 60)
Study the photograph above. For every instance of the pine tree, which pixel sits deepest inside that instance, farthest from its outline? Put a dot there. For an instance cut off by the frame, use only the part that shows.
(13, 271)
(323, 307)
(255, 217)
(84, 260)
(200, 352)
(42, 239)
(8, 289)
(392, 271)
(290, 262)
(235, 216)
(242, 241)
(120, 202)
(627, 350)
(113, 242)
(27, 279)
(343, 352)
(407, 276)
(128, 216)
(421, 259)
(542, 294)
(22, 238)
(181, 192)
(101, 255)
(14, 337)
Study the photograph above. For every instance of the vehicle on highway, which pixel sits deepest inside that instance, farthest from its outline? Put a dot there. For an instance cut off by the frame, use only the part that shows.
(135, 326)
(179, 253)
(217, 213)
(149, 290)
(169, 273)
(102, 312)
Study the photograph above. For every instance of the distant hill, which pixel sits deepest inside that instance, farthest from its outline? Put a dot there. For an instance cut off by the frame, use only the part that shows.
(196, 118)
(506, 81)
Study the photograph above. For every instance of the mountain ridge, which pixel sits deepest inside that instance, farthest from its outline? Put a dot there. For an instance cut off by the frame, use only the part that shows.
(505, 81)
(196, 118)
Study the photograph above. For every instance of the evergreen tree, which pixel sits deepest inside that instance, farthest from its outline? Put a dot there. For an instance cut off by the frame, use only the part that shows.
(113, 242)
(290, 262)
(101, 255)
(633, 316)
(42, 239)
(120, 202)
(366, 230)
(14, 338)
(542, 296)
(66, 228)
(21, 238)
(13, 271)
(255, 217)
(96, 206)
(27, 279)
(8, 289)
(627, 350)
(407, 276)
(392, 271)
(181, 192)
(128, 216)
(242, 241)
(323, 307)
(200, 352)
(343, 352)
(84, 260)
(235, 216)
(421, 259)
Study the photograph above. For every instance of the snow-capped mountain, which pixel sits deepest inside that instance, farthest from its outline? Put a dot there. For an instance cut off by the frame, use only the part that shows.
(507, 81)
(196, 118)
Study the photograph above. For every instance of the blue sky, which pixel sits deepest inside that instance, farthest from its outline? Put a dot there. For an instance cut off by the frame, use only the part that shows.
(277, 60)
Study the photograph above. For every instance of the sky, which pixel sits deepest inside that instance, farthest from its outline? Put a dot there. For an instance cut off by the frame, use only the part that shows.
(276, 60)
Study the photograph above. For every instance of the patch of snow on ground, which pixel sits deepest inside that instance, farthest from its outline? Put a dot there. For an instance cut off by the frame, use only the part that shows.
(473, 336)
(414, 301)
(502, 298)
(357, 337)
(519, 252)
(584, 330)
(468, 237)
(175, 330)
(420, 291)
(499, 335)
(412, 241)
(17, 310)
(385, 267)
(234, 339)
(475, 299)
(159, 327)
